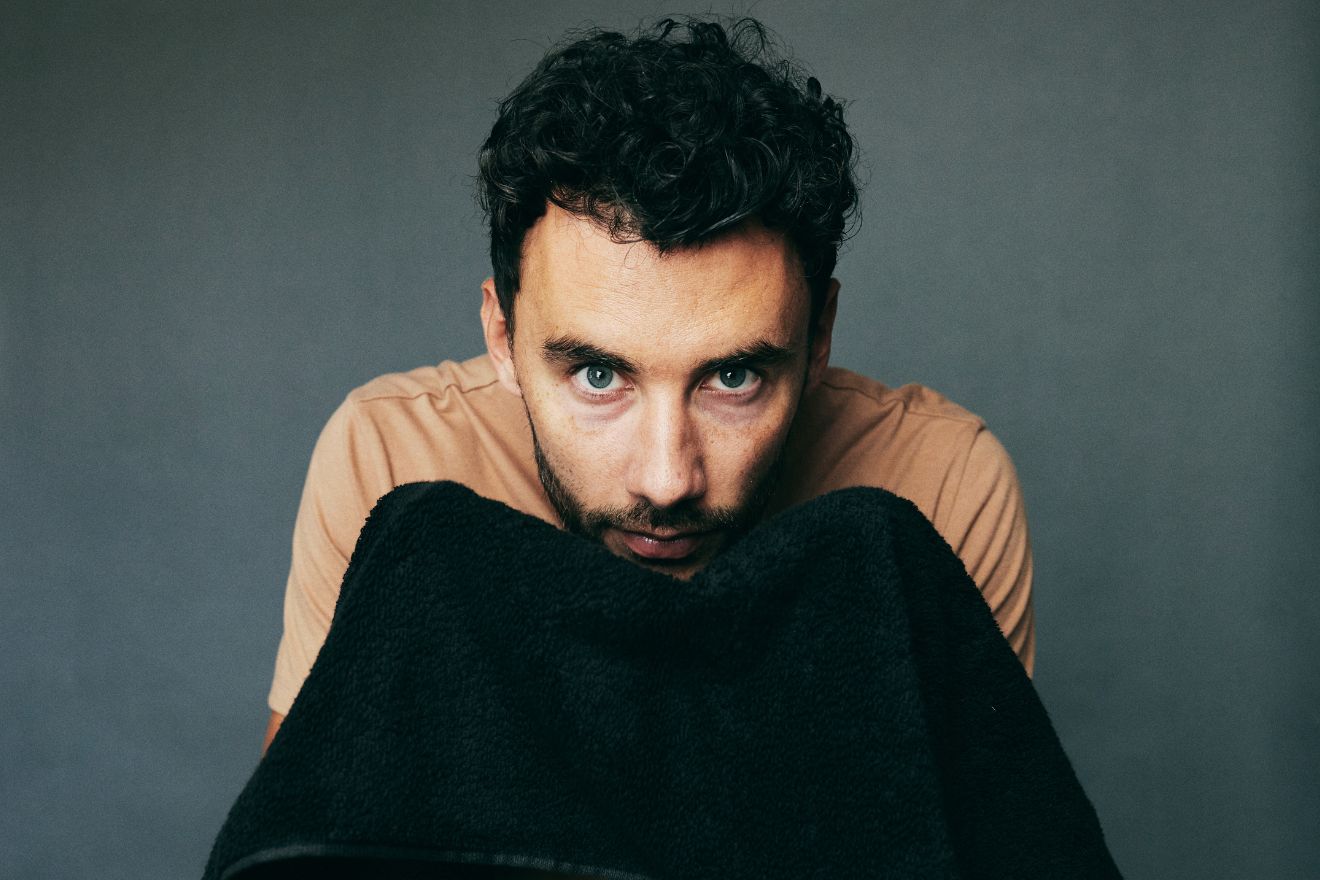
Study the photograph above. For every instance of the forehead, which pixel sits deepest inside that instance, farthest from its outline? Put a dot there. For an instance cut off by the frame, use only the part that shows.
(740, 288)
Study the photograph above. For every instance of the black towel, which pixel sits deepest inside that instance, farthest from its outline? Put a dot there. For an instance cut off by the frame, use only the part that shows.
(830, 698)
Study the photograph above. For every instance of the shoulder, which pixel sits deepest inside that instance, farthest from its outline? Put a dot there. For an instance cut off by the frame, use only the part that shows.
(457, 402)
(448, 380)
(450, 421)
(910, 440)
(394, 428)
(845, 393)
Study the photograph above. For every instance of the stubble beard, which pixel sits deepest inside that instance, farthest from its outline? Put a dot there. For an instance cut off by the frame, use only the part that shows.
(686, 516)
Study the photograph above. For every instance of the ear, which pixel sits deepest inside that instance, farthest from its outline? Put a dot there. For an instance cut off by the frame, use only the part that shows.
(819, 356)
(496, 331)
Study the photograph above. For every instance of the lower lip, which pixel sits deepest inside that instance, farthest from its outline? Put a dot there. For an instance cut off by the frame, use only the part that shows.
(647, 547)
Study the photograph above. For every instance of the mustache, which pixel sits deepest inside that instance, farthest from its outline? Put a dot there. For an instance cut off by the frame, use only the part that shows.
(644, 516)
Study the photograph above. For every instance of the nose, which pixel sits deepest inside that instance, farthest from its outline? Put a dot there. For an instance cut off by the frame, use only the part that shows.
(666, 466)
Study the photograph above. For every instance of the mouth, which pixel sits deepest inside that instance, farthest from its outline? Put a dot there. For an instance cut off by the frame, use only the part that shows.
(663, 547)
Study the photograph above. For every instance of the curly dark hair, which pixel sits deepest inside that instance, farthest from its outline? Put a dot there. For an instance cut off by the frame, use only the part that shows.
(671, 136)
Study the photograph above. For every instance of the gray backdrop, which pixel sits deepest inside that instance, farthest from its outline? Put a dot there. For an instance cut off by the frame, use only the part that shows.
(1093, 224)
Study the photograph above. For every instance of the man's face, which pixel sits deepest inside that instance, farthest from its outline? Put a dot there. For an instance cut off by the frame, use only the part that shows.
(660, 388)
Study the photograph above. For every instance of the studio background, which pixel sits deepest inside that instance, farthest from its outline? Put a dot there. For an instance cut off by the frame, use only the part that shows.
(1095, 225)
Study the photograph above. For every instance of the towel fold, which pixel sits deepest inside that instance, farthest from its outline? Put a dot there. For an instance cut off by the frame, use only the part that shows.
(830, 698)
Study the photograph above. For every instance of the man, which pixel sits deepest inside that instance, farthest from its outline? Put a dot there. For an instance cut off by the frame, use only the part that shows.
(665, 214)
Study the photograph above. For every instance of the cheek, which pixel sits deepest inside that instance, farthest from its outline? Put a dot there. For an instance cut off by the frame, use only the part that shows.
(739, 453)
(583, 446)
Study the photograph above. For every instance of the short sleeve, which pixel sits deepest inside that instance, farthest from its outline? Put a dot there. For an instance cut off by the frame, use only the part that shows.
(348, 472)
(988, 531)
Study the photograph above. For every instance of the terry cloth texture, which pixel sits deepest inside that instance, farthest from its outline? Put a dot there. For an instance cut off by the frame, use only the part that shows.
(830, 698)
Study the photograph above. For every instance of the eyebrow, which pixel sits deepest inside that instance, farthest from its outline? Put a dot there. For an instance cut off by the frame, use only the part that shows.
(761, 353)
(569, 350)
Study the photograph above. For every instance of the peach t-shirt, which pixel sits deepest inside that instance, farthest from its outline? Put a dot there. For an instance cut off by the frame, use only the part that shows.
(456, 422)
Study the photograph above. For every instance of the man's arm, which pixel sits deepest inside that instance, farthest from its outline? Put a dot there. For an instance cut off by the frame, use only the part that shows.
(988, 531)
(347, 473)
(272, 726)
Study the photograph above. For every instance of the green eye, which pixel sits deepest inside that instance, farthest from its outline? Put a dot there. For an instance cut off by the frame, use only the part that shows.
(599, 377)
(733, 377)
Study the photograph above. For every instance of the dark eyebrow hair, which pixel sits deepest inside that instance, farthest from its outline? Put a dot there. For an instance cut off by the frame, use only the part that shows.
(567, 350)
(758, 354)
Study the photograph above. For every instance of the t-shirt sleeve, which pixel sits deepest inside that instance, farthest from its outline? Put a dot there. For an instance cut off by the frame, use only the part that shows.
(347, 474)
(988, 531)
